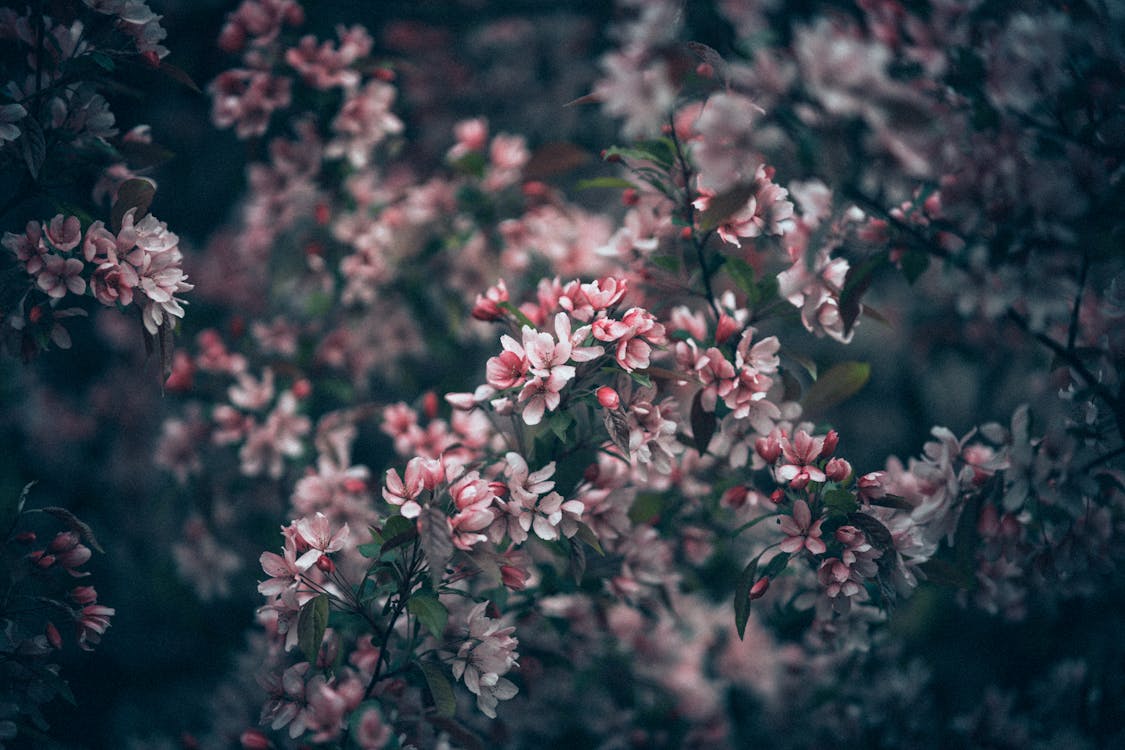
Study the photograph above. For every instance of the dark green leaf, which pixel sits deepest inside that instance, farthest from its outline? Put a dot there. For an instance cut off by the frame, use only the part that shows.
(667, 262)
(776, 565)
(840, 501)
(743, 276)
(646, 508)
(429, 611)
(103, 60)
(641, 379)
(943, 573)
(892, 501)
(835, 386)
(914, 264)
(559, 423)
(445, 703)
(742, 596)
(33, 145)
(311, 624)
(587, 535)
(703, 423)
(576, 563)
(179, 75)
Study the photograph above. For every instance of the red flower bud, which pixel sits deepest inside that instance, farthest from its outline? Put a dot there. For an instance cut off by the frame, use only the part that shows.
(629, 197)
(324, 562)
(302, 388)
(608, 397)
(705, 70)
(25, 537)
(777, 497)
(726, 328)
(35, 314)
(830, 442)
(685, 233)
(430, 404)
(758, 590)
(355, 486)
(513, 577)
(735, 497)
(384, 74)
(53, 636)
(838, 469)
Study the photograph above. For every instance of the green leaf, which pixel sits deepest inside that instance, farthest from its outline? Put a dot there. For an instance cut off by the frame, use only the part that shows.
(515, 312)
(445, 703)
(755, 522)
(33, 145)
(840, 501)
(776, 565)
(646, 507)
(142, 155)
(605, 182)
(311, 624)
(397, 531)
(103, 60)
(742, 596)
(744, 277)
(587, 535)
(135, 193)
(429, 611)
(914, 264)
(703, 423)
(667, 262)
(641, 379)
(370, 549)
(658, 152)
(835, 386)
(559, 423)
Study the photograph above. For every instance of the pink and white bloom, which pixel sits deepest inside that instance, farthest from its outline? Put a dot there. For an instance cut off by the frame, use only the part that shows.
(801, 532)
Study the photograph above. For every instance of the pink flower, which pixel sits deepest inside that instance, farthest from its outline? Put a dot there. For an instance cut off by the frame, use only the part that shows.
(318, 535)
(91, 623)
(487, 653)
(508, 369)
(59, 275)
(65, 233)
(800, 531)
(801, 453)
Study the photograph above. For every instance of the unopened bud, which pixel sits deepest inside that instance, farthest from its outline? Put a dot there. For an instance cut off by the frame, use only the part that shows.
(355, 486)
(735, 497)
(25, 537)
(685, 233)
(322, 214)
(768, 449)
(302, 388)
(777, 497)
(726, 328)
(53, 636)
(705, 70)
(35, 314)
(758, 590)
(384, 74)
(831, 440)
(838, 470)
(608, 397)
(513, 577)
(325, 564)
(629, 197)
(430, 404)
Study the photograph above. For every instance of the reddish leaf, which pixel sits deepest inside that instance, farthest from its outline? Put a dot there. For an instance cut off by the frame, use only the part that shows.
(136, 193)
(437, 541)
(180, 76)
(554, 158)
